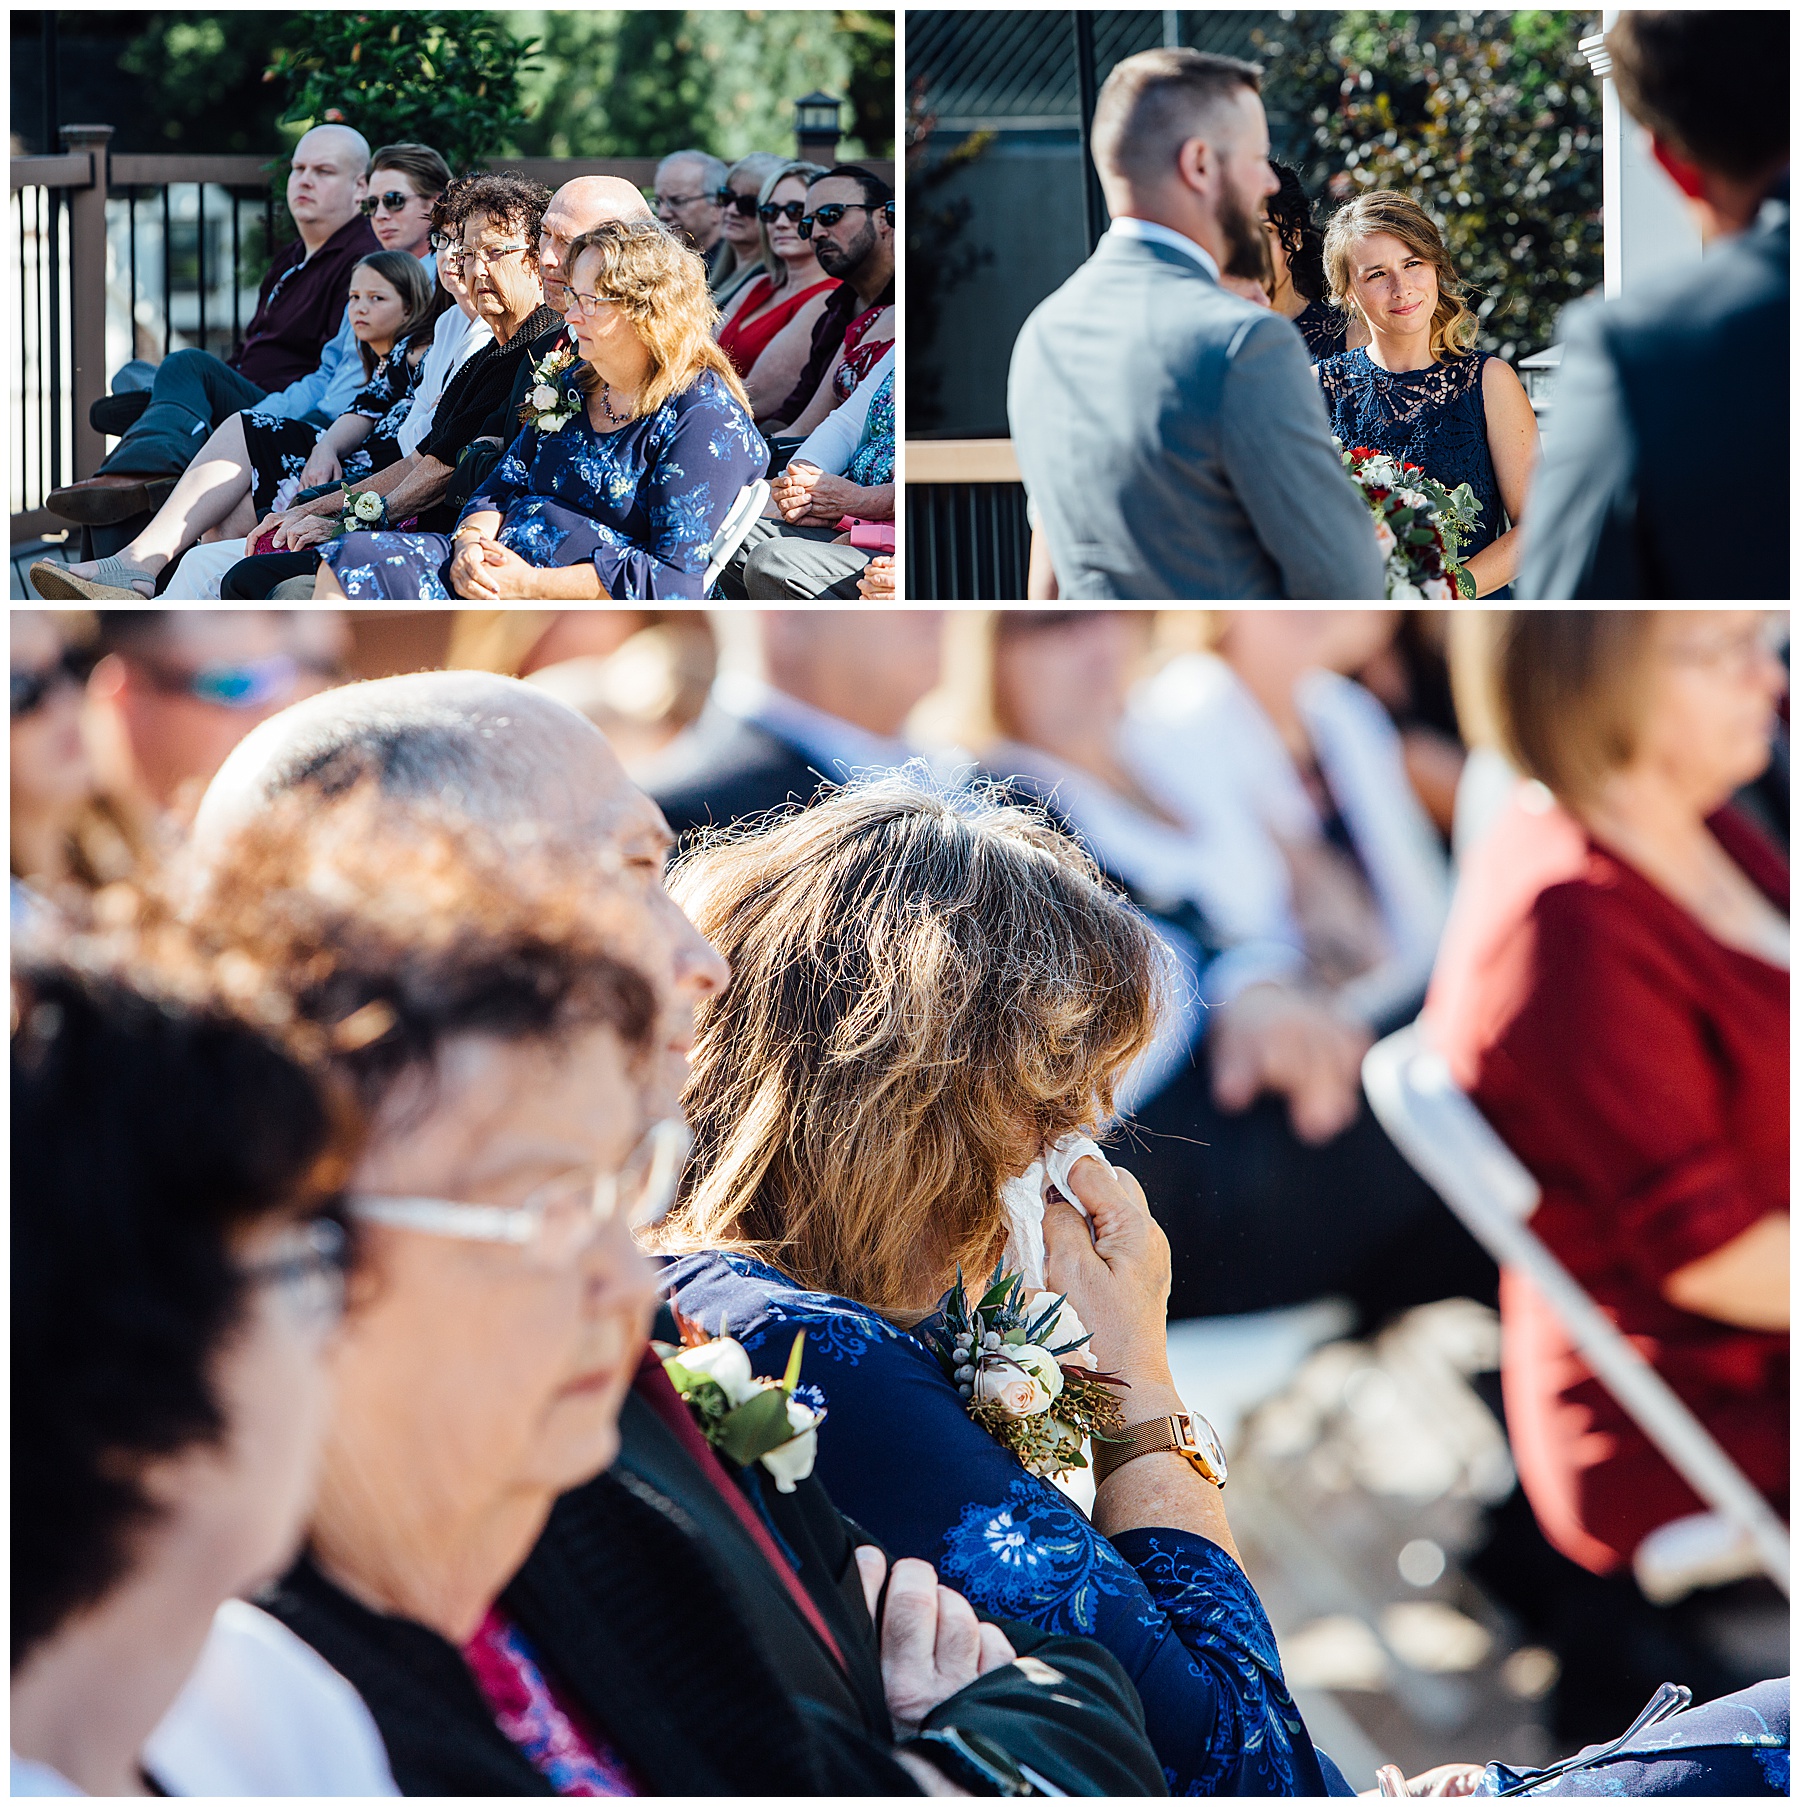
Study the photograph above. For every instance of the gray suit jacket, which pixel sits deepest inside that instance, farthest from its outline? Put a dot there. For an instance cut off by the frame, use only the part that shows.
(1174, 443)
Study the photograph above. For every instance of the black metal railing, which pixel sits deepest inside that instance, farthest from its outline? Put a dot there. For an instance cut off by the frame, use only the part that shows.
(966, 542)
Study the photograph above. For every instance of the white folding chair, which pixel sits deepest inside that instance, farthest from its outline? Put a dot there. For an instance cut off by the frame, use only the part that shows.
(1434, 1124)
(734, 530)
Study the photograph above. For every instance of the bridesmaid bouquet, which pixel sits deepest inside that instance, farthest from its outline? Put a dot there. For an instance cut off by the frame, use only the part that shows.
(1023, 1368)
(747, 1417)
(1420, 526)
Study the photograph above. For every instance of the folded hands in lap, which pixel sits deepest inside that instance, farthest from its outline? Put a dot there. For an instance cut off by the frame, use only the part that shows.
(810, 497)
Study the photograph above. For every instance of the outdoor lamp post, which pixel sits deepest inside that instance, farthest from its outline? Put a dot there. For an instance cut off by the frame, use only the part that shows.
(816, 128)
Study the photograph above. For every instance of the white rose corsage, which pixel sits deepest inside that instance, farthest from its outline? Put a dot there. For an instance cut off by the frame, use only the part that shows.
(363, 512)
(1022, 1365)
(747, 1417)
(549, 406)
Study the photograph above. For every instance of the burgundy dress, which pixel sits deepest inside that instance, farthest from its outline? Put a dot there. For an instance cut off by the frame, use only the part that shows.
(1639, 1068)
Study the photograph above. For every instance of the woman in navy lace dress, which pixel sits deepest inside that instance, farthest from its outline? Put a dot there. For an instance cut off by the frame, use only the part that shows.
(627, 467)
(1416, 390)
(925, 991)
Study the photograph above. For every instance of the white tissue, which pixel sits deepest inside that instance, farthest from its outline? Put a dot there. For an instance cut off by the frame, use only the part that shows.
(1024, 1196)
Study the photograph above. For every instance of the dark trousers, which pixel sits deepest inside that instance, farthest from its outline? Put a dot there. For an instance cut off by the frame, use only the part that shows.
(254, 579)
(193, 393)
(1257, 1219)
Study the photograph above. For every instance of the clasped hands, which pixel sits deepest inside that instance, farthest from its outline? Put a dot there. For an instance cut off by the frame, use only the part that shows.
(809, 497)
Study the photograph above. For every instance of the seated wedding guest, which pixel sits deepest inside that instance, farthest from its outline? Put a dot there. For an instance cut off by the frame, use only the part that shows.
(1298, 290)
(176, 689)
(768, 326)
(926, 993)
(803, 698)
(687, 203)
(1644, 376)
(1170, 434)
(1274, 1183)
(1613, 992)
(52, 776)
(741, 197)
(1418, 389)
(392, 307)
(621, 495)
(850, 224)
(492, 1063)
(834, 501)
(479, 417)
(176, 1280)
(298, 310)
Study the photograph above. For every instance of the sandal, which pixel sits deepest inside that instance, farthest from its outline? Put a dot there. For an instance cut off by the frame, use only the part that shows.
(57, 583)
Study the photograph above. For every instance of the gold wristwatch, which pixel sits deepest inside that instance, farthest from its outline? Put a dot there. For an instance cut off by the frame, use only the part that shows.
(1187, 1434)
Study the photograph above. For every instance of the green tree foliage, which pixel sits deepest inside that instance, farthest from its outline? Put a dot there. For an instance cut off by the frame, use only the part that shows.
(199, 77)
(1489, 120)
(447, 79)
(641, 84)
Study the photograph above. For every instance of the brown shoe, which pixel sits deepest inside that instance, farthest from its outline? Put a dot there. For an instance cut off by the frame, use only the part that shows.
(102, 501)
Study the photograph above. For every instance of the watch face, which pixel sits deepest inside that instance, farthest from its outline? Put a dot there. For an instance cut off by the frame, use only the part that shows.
(1202, 1441)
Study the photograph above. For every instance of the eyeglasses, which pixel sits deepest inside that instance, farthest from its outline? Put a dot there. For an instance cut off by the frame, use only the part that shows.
(246, 684)
(558, 1221)
(589, 305)
(770, 212)
(1741, 652)
(485, 258)
(394, 201)
(672, 201)
(308, 1268)
(829, 215)
(733, 202)
(31, 690)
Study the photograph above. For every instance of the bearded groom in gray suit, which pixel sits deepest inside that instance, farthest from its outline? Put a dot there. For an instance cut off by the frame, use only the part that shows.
(1170, 433)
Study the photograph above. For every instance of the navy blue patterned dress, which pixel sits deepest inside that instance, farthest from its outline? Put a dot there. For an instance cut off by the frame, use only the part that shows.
(642, 504)
(901, 1456)
(280, 448)
(1434, 418)
(1323, 328)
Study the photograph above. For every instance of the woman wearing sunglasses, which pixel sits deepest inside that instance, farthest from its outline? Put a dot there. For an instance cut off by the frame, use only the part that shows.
(177, 1280)
(768, 330)
(630, 461)
(738, 200)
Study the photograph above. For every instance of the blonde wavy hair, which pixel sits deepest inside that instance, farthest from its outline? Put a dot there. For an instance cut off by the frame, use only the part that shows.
(660, 286)
(1453, 326)
(925, 987)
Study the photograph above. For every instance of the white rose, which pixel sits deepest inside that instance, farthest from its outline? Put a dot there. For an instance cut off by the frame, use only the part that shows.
(1405, 592)
(1384, 537)
(793, 1461)
(551, 423)
(367, 507)
(1412, 498)
(544, 398)
(1436, 590)
(1042, 1365)
(724, 1361)
(1068, 1328)
(1010, 1385)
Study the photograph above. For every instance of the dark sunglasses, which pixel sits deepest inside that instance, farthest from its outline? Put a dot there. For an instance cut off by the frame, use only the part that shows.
(31, 690)
(732, 201)
(770, 212)
(244, 684)
(393, 201)
(829, 215)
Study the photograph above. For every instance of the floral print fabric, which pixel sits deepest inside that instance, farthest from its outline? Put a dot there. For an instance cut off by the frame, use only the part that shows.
(901, 1455)
(643, 503)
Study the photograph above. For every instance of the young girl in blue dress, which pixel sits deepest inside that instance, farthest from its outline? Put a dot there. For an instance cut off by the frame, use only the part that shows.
(926, 991)
(629, 461)
(1417, 389)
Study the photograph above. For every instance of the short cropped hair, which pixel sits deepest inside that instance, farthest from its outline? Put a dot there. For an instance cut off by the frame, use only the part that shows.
(515, 201)
(874, 191)
(419, 163)
(924, 986)
(1568, 693)
(151, 1123)
(1153, 102)
(713, 170)
(1712, 85)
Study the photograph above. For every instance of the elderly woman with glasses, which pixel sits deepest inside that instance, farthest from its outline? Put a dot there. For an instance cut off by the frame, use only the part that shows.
(177, 1277)
(769, 327)
(633, 453)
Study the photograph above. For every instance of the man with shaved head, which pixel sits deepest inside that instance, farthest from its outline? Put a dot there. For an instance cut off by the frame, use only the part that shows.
(1170, 433)
(881, 1710)
(298, 311)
